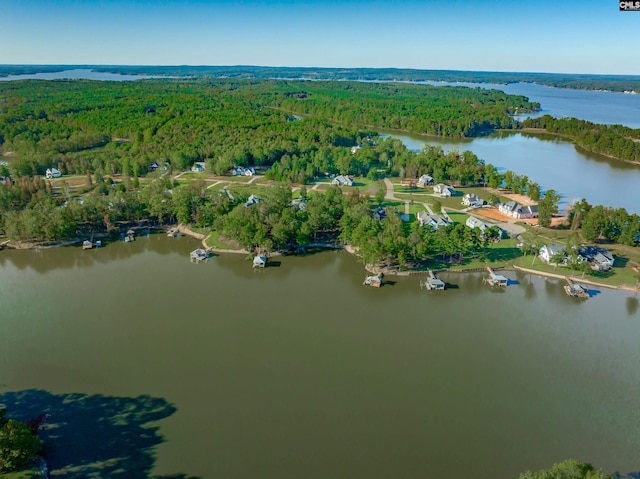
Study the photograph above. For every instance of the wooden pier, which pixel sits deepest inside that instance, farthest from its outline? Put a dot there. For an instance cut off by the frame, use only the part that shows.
(495, 279)
(575, 290)
(432, 282)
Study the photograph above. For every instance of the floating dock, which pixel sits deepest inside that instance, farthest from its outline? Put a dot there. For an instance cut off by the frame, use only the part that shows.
(432, 282)
(199, 254)
(375, 280)
(495, 279)
(576, 290)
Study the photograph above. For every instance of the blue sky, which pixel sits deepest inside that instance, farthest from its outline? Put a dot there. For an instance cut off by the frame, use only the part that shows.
(589, 36)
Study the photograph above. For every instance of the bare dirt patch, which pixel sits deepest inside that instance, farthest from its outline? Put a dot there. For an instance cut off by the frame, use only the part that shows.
(520, 199)
(491, 213)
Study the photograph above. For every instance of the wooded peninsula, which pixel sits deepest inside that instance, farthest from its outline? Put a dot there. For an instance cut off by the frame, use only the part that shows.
(84, 156)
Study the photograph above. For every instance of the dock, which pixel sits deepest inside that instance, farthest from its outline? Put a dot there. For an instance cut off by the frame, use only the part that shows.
(375, 280)
(495, 279)
(432, 282)
(130, 236)
(260, 261)
(575, 290)
(198, 255)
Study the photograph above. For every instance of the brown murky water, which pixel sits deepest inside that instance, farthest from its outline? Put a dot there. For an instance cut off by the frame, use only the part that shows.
(151, 366)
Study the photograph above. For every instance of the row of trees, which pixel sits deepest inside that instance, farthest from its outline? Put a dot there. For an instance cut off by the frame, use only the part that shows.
(616, 141)
(597, 223)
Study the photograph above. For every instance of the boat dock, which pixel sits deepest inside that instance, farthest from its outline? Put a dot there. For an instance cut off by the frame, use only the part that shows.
(199, 254)
(375, 280)
(432, 282)
(575, 290)
(495, 279)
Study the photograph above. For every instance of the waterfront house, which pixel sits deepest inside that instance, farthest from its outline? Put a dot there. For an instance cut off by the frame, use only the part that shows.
(342, 180)
(517, 211)
(253, 199)
(547, 252)
(424, 181)
(445, 191)
(354, 149)
(530, 211)
(600, 259)
(432, 220)
(52, 173)
(508, 208)
(472, 200)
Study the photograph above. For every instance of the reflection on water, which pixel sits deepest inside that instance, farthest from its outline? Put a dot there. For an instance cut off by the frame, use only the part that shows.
(300, 371)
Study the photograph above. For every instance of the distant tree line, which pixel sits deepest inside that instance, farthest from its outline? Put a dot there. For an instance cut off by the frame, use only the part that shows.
(616, 141)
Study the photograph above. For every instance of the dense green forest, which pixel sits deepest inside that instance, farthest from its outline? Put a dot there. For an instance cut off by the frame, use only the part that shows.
(104, 137)
(120, 127)
(617, 83)
(612, 140)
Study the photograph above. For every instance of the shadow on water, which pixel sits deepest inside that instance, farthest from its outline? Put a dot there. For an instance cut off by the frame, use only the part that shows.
(632, 308)
(94, 435)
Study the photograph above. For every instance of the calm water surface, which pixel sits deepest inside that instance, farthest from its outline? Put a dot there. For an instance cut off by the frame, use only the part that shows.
(552, 163)
(149, 364)
(594, 106)
(78, 74)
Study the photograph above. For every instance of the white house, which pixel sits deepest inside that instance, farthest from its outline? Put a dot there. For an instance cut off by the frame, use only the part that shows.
(472, 200)
(53, 173)
(354, 149)
(547, 252)
(473, 222)
(443, 190)
(243, 171)
(515, 210)
(432, 220)
(342, 180)
(424, 181)
(198, 167)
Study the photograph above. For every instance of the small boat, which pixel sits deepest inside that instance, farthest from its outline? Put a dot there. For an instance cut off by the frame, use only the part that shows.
(375, 280)
(198, 255)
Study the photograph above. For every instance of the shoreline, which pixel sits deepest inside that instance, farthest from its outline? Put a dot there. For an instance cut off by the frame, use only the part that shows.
(374, 269)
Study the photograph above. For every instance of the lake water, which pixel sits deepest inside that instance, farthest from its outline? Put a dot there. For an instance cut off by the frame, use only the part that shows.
(78, 74)
(148, 364)
(551, 162)
(595, 106)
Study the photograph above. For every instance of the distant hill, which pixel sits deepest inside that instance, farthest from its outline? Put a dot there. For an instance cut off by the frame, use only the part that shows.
(617, 83)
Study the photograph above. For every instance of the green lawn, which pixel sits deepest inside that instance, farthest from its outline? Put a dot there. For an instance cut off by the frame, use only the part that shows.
(214, 241)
